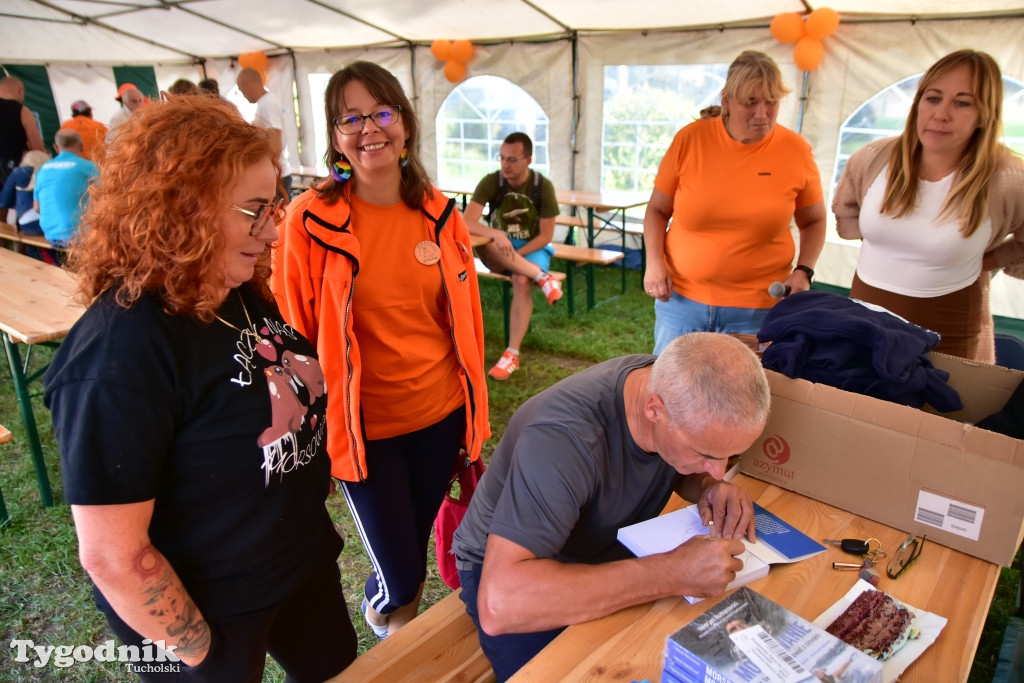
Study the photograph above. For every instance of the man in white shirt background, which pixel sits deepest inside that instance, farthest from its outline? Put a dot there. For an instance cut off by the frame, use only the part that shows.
(269, 114)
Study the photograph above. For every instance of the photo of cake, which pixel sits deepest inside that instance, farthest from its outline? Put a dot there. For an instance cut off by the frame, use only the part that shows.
(875, 624)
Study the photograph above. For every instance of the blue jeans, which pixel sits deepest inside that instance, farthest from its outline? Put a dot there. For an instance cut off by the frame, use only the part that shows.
(507, 653)
(679, 316)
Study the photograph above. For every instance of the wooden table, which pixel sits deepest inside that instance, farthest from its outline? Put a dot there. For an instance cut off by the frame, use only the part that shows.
(35, 308)
(617, 203)
(629, 644)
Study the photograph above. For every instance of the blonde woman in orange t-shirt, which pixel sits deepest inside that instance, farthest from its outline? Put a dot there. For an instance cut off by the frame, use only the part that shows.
(374, 265)
(731, 185)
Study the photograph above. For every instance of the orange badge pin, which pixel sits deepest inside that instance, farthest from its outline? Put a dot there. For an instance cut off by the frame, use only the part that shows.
(428, 253)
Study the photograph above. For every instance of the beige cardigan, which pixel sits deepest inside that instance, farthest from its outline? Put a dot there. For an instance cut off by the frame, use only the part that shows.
(1005, 208)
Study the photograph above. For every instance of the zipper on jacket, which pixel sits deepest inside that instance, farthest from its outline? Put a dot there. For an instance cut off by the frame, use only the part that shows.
(471, 400)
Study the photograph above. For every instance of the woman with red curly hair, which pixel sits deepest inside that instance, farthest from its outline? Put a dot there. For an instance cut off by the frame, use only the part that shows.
(191, 418)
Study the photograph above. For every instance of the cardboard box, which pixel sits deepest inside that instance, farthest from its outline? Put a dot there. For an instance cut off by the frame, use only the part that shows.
(907, 468)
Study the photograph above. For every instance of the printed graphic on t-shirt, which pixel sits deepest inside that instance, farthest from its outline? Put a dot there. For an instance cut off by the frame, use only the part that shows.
(295, 383)
(516, 217)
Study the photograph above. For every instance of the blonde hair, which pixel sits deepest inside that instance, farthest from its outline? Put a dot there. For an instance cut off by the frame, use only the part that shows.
(753, 73)
(969, 196)
(34, 158)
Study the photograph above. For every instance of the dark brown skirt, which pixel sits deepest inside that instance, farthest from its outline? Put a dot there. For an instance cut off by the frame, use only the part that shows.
(958, 317)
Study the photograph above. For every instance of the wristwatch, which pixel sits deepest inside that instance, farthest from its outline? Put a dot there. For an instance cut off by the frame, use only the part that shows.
(807, 270)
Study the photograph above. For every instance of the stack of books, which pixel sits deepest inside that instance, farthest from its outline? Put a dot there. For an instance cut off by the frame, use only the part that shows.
(747, 638)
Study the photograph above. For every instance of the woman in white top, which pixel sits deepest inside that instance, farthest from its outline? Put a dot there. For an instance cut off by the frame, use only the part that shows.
(939, 207)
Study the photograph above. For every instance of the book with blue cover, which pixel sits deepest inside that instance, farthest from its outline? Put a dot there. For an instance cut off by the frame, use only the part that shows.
(747, 638)
(777, 541)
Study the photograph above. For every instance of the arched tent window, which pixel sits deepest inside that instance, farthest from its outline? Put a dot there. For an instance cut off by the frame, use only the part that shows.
(644, 106)
(884, 116)
(473, 120)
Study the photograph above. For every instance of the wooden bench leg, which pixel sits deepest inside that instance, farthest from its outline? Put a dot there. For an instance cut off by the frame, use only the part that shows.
(623, 251)
(29, 419)
(506, 306)
(5, 436)
(570, 289)
(591, 294)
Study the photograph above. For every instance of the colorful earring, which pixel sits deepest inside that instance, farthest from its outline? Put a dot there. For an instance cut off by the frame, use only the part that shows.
(341, 170)
(403, 158)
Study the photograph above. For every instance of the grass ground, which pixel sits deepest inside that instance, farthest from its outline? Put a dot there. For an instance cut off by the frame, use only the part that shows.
(45, 596)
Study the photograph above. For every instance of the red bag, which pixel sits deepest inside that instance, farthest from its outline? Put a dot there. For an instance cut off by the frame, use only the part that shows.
(453, 509)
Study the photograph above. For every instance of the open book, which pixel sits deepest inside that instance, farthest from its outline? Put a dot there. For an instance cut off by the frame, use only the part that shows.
(777, 541)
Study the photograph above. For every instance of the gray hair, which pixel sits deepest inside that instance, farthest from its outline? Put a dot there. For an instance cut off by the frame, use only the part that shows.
(706, 378)
(66, 138)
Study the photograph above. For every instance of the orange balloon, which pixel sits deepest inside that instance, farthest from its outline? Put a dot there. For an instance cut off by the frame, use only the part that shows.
(822, 22)
(254, 60)
(807, 53)
(441, 49)
(454, 71)
(787, 27)
(462, 51)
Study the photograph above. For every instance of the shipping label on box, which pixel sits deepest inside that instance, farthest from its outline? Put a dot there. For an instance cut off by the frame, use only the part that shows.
(904, 467)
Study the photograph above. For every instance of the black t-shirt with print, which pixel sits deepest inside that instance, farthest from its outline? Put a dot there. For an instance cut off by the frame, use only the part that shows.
(224, 428)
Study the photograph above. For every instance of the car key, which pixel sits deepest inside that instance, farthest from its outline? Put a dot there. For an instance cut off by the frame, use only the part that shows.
(854, 546)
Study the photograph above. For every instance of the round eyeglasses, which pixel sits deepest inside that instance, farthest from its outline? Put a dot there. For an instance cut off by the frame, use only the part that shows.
(350, 124)
(263, 214)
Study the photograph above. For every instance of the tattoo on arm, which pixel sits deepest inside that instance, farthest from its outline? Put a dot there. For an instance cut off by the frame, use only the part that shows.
(167, 601)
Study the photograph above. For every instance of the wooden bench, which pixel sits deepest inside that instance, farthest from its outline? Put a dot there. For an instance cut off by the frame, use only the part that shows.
(9, 232)
(440, 644)
(575, 223)
(506, 289)
(584, 256)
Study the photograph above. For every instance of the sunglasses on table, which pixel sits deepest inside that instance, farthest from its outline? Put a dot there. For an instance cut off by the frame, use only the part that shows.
(904, 556)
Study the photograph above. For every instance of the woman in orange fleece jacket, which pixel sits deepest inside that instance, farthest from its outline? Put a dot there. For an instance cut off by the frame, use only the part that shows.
(374, 266)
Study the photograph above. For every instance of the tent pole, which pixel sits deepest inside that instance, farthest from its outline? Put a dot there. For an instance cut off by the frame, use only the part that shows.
(575, 120)
(803, 105)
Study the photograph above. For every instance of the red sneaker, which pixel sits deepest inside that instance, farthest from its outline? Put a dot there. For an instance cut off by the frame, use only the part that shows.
(551, 287)
(506, 365)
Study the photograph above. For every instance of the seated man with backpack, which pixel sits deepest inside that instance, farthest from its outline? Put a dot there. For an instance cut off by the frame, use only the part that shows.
(520, 222)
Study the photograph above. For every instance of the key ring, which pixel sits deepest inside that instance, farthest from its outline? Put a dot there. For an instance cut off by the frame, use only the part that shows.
(877, 552)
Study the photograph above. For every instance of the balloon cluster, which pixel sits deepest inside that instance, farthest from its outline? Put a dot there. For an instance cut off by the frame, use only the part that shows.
(254, 60)
(455, 54)
(790, 27)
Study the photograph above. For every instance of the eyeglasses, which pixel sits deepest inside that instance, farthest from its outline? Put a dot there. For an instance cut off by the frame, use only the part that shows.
(350, 124)
(509, 160)
(262, 214)
(909, 551)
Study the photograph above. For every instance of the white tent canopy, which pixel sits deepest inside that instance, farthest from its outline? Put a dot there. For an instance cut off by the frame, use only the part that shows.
(556, 50)
(150, 31)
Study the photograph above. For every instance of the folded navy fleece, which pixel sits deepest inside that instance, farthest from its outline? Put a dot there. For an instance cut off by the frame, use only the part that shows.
(832, 339)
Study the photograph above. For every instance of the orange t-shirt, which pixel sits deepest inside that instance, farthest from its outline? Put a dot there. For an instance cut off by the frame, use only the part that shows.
(410, 374)
(92, 132)
(730, 237)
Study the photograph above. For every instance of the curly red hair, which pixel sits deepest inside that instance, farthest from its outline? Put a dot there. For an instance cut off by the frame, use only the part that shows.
(153, 221)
